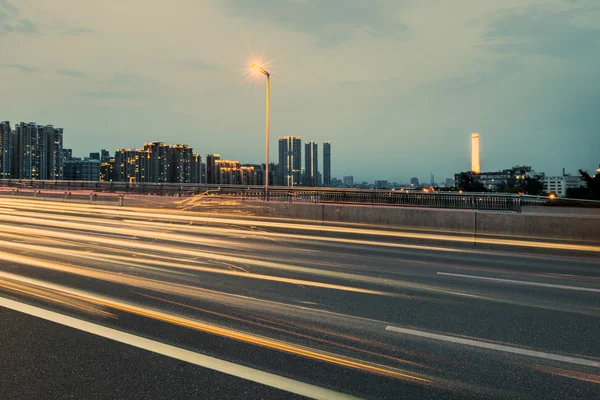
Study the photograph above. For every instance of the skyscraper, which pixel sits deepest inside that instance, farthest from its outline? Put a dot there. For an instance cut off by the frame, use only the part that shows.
(6, 150)
(211, 172)
(290, 160)
(326, 164)
(475, 166)
(196, 168)
(57, 161)
(159, 161)
(311, 164)
(180, 163)
(38, 152)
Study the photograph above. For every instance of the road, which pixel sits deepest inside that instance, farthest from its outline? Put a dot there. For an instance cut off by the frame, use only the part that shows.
(107, 302)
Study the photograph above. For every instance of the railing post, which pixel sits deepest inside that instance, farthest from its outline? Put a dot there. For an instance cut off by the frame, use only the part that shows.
(121, 200)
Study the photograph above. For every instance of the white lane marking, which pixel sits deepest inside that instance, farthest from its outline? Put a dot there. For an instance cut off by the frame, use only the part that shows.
(251, 374)
(548, 285)
(498, 347)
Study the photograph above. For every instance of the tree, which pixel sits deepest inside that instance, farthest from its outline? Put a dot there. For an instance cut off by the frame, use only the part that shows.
(468, 183)
(534, 186)
(592, 189)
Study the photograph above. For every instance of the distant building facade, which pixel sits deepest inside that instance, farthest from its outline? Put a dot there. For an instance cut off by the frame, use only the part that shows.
(290, 160)
(6, 150)
(327, 164)
(311, 164)
(348, 180)
(36, 152)
(87, 169)
(559, 185)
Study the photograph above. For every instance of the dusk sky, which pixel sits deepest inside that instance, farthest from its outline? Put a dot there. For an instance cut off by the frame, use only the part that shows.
(397, 86)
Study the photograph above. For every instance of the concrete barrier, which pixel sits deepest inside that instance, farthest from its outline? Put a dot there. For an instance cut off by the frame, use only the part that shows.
(536, 226)
(553, 227)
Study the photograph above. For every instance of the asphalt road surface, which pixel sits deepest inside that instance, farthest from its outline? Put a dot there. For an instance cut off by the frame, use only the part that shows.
(104, 302)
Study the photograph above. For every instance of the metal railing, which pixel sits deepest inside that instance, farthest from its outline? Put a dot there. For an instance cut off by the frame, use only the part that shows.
(449, 200)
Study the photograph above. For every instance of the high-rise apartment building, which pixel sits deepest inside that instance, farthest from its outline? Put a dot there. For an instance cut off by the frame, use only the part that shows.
(6, 150)
(211, 172)
(311, 164)
(159, 162)
(156, 163)
(196, 168)
(37, 152)
(290, 160)
(57, 161)
(107, 169)
(227, 172)
(180, 163)
(327, 164)
(348, 180)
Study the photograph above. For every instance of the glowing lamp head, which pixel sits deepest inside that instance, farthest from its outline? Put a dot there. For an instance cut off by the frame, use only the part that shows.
(256, 68)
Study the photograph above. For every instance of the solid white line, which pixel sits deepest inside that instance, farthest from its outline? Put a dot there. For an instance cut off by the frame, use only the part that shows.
(548, 285)
(251, 374)
(498, 347)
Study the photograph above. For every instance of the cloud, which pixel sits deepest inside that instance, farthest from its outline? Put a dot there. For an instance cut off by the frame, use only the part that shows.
(70, 73)
(23, 68)
(542, 31)
(10, 23)
(332, 22)
(9, 8)
(77, 31)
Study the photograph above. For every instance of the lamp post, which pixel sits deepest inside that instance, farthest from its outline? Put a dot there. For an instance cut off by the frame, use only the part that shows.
(260, 69)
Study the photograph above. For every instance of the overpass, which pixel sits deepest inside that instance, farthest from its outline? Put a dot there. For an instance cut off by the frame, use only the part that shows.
(224, 297)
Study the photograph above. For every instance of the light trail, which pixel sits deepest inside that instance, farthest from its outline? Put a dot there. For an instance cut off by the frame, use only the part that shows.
(393, 283)
(99, 275)
(467, 238)
(251, 374)
(229, 333)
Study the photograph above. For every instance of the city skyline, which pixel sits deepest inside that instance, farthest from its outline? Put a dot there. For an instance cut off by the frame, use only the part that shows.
(529, 68)
(47, 142)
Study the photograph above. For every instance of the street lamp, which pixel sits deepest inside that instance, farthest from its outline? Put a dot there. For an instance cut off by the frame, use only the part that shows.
(256, 68)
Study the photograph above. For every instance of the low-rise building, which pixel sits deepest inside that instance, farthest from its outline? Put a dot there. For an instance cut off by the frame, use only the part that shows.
(559, 185)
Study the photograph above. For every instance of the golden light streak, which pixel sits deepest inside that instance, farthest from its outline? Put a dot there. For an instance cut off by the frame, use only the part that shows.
(25, 260)
(241, 336)
(290, 332)
(467, 238)
(154, 247)
(55, 297)
(189, 217)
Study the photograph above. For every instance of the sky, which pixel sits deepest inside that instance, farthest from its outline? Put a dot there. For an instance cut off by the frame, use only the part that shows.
(397, 86)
